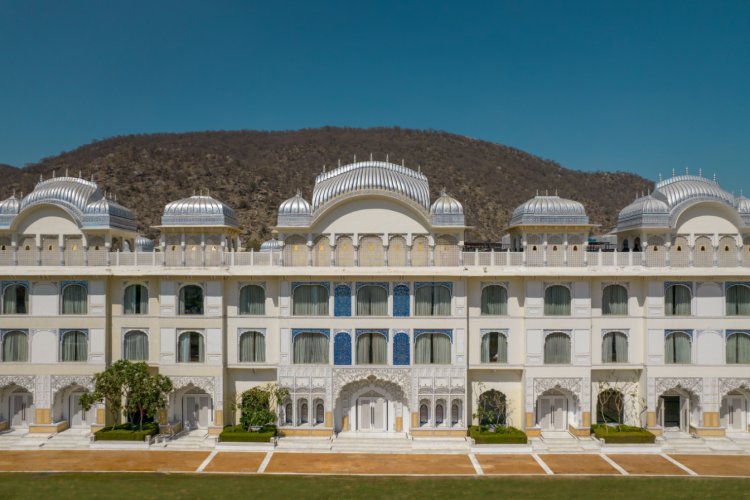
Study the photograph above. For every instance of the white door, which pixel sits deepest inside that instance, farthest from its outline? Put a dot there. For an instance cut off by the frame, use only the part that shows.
(203, 412)
(553, 410)
(372, 414)
(77, 415)
(735, 410)
(21, 409)
(684, 414)
(363, 409)
(192, 409)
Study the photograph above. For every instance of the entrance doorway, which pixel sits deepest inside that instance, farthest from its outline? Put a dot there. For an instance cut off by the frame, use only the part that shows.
(372, 413)
(78, 417)
(21, 409)
(733, 412)
(675, 412)
(195, 411)
(553, 413)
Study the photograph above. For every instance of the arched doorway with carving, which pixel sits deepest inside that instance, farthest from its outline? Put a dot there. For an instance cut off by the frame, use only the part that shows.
(371, 405)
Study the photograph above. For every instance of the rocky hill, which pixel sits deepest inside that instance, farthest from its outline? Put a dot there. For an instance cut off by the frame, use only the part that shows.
(255, 171)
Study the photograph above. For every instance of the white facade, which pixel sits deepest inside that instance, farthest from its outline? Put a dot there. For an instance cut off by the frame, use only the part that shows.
(374, 312)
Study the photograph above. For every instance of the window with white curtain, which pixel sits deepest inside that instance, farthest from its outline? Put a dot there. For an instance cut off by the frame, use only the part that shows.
(557, 349)
(320, 414)
(615, 300)
(424, 413)
(135, 346)
(494, 300)
(191, 348)
(494, 348)
(677, 348)
(557, 301)
(455, 412)
(677, 300)
(432, 300)
(738, 300)
(439, 413)
(372, 349)
(304, 416)
(288, 413)
(74, 299)
(74, 346)
(615, 348)
(252, 347)
(16, 346)
(310, 300)
(372, 300)
(253, 300)
(136, 299)
(191, 300)
(310, 348)
(15, 299)
(433, 349)
(738, 348)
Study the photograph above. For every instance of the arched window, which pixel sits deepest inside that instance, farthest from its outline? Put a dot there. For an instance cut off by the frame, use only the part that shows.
(557, 349)
(310, 300)
(288, 413)
(372, 349)
(15, 346)
(492, 408)
(136, 299)
(135, 346)
(615, 348)
(424, 413)
(310, 348)
(455, 412)
(557, 301)
(191, 348)
(252, 347)
(494, 348)
(304, 416)
(494, 300)
(738, 348)
(738, 300)
(15, 299)
(439, 413)
(615, 300)
(253, 300)
(610, 407)
(677, 348)
(677, 300)
(637, 245)
(320, 414)
(74, 299)
(191, 300)
(74, 346)
(432, 300)
(372, 300)
(433, 349)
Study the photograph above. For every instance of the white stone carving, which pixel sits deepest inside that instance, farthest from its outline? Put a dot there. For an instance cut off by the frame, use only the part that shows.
(205, 383)
(25, 381)
(693, 385)
(572, 385)
(62, 381)
(731, 384)
(361, 377)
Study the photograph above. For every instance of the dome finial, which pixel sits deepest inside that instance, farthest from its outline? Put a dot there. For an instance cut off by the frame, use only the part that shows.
(324, 168)
(41, 178)
(339, 162)
(714, 176)
(700, 172)
(299, 193)
(80, 173)
(443, 192)
(672, 171)
(53, 173)
(402, 162)
(66, 171)
(386, 158)
(659, 176)
(687, 171)
(370, 156)
(355, 158)
(555, 191)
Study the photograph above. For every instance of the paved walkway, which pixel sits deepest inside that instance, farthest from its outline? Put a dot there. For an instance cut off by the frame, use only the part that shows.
(373, 464)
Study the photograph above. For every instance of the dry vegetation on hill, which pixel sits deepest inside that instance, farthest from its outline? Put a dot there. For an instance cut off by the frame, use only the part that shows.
(255, 171)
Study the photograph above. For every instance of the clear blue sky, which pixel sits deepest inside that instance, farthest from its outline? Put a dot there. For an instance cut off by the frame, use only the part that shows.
(637, 86)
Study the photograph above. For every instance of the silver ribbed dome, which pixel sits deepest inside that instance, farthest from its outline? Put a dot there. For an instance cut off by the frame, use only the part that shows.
(271, 245)
(644, 211)
(10, 206)
(143, 244)
(683, 188)
(295, 205)
(447, 211)
(198, 210)
(743, 205)
(549, 210)
(371, 176)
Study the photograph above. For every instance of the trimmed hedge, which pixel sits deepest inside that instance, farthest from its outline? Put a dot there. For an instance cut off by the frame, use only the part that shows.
(127, 432)
(501, 435)
(622, 434)
(237, 434)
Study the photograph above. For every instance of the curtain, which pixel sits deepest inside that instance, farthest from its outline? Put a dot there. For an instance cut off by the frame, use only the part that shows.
(15, 300)
(310, 300)
(191, 348)
(191, 300)
(311, 347)
(136, 299)
(252, 347)
(557, 349)
(615, 348)
(494, 300)
(494, 348)
(677, 301)
(432, 300)
(557, 301)
(136, 346)
(372, 349)
(74, 299)
(74, 346)
(738, 349)
(372, 301)
(253, 300)
(15, 347)
(615, 300)
(433, 348)
(738, 300)
(183, 354)
(677, 348)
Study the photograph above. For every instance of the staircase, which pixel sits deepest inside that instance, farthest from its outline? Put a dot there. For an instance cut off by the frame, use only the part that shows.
(309, 444)
(563, 442)
(349, 442)
(70, 439)
(741, 440)
(20, 439)
(682, 442)
(191, 440)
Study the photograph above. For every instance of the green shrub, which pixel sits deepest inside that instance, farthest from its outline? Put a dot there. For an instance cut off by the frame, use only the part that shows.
(127, 432)
(622, 434)
(238, 434)
(501, 435)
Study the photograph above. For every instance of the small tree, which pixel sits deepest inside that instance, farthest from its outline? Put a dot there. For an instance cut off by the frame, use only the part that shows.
(493, 407)
(146, 393)
(257, 405)
(109, 388)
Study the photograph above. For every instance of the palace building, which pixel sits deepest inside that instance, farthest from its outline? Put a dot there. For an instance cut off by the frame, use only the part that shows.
(370, 307)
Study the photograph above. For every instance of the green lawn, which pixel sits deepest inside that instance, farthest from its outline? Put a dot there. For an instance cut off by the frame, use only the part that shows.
(132, 486)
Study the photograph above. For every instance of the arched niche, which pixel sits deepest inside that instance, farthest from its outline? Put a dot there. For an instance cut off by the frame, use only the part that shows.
(385, 215)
